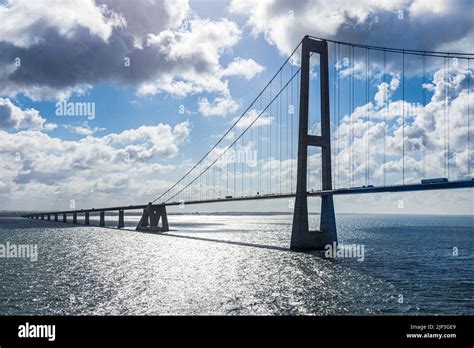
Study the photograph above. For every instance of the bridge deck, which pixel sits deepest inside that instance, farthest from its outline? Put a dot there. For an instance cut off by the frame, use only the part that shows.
(342, 191)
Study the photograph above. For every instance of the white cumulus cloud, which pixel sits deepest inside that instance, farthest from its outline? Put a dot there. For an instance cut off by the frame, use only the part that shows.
(13, 117)
(248, 68)
(221, 106)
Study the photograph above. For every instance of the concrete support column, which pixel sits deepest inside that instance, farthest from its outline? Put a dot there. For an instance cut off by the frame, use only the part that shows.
(151, 218)
(49, 217)
(86, 218)
(145, 221)
(164, 219)
(301, 237)
(42, 217)
(55, 217)
(74, 218)
(154, 216)
(102, 219)
(121, 222)
(64, 217)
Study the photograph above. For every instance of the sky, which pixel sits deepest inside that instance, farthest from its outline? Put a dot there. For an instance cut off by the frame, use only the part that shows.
(161, 81)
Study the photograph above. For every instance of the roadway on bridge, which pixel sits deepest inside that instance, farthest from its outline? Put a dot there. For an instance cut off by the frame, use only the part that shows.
(341, 191)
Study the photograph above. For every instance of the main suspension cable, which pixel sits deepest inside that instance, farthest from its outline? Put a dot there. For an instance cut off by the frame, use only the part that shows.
(233, 125)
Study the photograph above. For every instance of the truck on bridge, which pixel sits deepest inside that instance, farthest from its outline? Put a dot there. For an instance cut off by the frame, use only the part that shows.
(434, 180)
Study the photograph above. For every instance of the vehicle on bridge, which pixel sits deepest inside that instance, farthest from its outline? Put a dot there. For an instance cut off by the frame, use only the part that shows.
(434, 180)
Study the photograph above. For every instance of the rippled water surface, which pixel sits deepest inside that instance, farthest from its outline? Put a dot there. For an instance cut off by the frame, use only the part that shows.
(215, 264)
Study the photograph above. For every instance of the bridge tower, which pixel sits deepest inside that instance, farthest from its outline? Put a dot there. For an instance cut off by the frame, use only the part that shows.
(301, 237)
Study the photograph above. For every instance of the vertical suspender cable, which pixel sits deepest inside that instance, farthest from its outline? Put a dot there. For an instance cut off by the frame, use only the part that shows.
(338, 114)
(292, 116)
(348, 114)
(368, 119)
(447, 110)
(468, 117)
(270, 147)
(403, 118)
(424, 125)
(280, 98)
(351, 112)
(227, 175)
(242, 167)
(269, 181)
(235, 161)
(335, 113)
(259, 151)
(444, 112)
(220, 182)
(250, 158)
(297, 107)
(291, 130)
(386, 104)
(287, 187)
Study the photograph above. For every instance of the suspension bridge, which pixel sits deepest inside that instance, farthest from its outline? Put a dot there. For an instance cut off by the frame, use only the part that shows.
(337, 118)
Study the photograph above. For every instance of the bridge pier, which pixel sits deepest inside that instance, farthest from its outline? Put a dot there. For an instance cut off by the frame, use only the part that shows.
(74, 218)
(102, 219)
(121, 222)
(55, 217)
(144, 223)
(49, 217)
(64, 217)
(86, 218)
(301, 237)
(151, 218)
